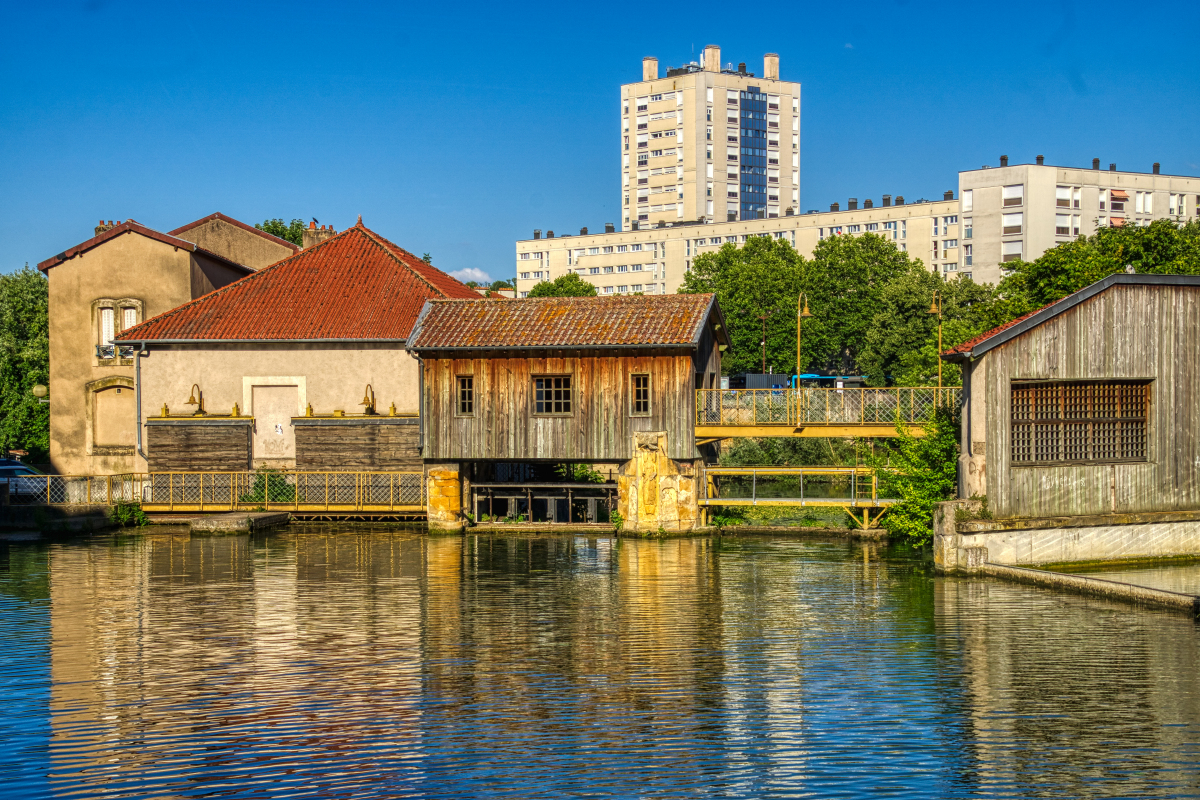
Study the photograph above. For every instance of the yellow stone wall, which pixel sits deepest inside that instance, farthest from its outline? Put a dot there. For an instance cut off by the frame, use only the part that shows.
(444, 491)
(656, 492)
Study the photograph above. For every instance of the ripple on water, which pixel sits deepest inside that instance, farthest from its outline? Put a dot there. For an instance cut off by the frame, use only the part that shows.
(366, 662)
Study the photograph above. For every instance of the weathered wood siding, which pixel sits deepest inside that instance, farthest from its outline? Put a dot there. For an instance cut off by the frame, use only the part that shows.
(185, 446)
(385, 444)
(1128, 331)
(599, 429)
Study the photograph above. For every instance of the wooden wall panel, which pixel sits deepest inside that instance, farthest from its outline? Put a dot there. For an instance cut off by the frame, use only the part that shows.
(1128, 331)
(198, 447)
(359, 445)
(600, 428)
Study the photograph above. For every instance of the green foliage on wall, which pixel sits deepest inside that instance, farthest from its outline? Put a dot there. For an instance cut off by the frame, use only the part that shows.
(293, 232)
(24, 362)
(569, 285)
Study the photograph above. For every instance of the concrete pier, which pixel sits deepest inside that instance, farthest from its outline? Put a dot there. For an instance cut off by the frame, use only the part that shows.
(240, 522)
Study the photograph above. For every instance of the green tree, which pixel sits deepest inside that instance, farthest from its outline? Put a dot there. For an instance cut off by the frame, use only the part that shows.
(428, 259)
(764, 276)
(1164, 247)
(293, 233)
(919, 472)
(24, 362)
(845, 282)
(569, 285)
(498, 285)
(900, 348)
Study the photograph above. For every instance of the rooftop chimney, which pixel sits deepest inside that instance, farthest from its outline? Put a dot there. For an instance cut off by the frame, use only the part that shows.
(711, 58)
(834, 207)
(583, 231)
(1004, 161)
(103, 226)
(771, 66)
(899, 199)
(1155, 167)
(741, 67)
(1041, 161)
(1112, 167)
(649, 68)
(790, 211)
(852, 204)
(610, 227)
(949, 195)
(549, 234)
(537, 233)
(315, 234)
(887, 200)
(1095, 163)
(868, 204)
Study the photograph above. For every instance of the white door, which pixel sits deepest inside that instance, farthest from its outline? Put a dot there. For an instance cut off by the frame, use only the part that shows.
(274, 436)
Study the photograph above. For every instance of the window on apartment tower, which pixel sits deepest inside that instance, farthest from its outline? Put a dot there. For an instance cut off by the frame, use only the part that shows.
(466, 395)
(967, 199)
(1010, 251)
(1011, 223)
(552, 395)
(1013, 195)
(639, 396)
(1062, 224)
(1074, 422)
(1062, 196)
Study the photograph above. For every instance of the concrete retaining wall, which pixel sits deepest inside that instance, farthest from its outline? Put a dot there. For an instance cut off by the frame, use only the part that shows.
(963, 544)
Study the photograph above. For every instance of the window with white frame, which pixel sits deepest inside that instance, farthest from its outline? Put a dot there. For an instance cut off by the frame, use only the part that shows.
(967, 199)
(1011, 223)
(524, 256)
(1013, 195)
(1010, 251)
(1062, 224)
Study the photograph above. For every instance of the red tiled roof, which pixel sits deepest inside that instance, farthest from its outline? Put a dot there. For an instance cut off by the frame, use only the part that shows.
(238, 224)
(969, 344)
(130, 226)
(632, 320)
(355, 285)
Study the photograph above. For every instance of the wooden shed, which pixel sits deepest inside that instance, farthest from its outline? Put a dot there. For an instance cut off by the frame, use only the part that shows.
(1088, 406)
(564, 379)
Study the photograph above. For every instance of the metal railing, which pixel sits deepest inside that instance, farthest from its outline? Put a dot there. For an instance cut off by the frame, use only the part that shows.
(105, 351)
(836, 486)
(884, 407)
(229, 491)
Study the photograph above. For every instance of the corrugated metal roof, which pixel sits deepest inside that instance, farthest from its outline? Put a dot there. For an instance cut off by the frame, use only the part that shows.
(622, 321)
(355, 285)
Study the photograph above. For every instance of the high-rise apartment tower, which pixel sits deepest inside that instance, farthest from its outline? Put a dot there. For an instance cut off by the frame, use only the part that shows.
(709, 143)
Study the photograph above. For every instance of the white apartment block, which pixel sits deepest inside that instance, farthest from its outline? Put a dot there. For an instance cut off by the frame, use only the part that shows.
(1021, 211)
(709, 143)
(655, 260)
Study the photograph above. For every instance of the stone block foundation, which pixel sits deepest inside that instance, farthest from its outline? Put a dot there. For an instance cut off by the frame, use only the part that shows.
(655, 492)
(443, 486)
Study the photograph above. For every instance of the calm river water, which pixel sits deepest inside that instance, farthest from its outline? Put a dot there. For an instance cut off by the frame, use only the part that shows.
(382, 663)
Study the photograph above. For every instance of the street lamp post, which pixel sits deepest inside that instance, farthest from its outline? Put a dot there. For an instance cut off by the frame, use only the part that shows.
(936, 308)
(802, 313)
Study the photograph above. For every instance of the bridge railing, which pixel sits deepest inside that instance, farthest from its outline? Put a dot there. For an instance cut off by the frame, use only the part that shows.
(227, 491)
(884, 407)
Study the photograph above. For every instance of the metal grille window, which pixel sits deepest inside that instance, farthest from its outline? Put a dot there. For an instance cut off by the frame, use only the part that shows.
(552, 395)
(466, 396)
(640, 399)
(1079, 422)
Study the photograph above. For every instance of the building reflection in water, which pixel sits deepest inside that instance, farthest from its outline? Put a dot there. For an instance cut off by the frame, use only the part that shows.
(389, 663)
(1086, 695)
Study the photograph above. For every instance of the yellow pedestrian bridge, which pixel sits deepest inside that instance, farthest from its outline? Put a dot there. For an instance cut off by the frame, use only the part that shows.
(853, 489)
(755, 413)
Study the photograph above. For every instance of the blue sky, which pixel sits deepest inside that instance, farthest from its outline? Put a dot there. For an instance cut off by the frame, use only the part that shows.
(458, 128)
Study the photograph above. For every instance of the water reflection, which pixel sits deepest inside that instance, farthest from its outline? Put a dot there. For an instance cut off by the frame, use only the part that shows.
(373, 663)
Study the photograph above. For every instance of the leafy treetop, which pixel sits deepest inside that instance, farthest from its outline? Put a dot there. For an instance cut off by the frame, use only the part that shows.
(293, 232)
(569, 285)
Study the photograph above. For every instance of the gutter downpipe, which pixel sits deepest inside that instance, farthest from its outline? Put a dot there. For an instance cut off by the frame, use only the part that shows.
(137, 389)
